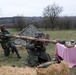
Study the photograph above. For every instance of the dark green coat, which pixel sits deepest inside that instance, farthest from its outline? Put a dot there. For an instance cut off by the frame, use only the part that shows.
(7, 44)
(36, 56)
(4, 42)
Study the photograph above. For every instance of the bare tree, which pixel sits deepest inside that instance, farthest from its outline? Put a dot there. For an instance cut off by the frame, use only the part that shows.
(46, 23)
(52, 12)
(19, 22)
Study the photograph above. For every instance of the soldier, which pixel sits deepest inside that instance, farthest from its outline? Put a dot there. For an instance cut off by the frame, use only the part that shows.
(6, 43)
(36, 52)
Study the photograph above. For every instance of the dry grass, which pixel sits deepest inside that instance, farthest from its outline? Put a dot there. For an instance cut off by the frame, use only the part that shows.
(55, 69)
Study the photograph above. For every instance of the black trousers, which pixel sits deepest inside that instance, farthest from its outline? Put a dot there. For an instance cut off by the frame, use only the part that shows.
(10, 45)
(13, 48)
(6, 49)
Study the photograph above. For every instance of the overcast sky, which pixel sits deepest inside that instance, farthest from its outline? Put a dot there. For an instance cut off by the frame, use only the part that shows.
(10, 8)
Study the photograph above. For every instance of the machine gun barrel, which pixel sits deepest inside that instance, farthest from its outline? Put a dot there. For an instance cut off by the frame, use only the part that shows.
(36, 39)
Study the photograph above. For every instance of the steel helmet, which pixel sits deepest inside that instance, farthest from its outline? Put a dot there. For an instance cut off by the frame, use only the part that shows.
(38, 34)
(2, 27)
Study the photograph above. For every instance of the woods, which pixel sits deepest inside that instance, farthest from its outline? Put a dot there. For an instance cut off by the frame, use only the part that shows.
(62, 23)
(51, 20)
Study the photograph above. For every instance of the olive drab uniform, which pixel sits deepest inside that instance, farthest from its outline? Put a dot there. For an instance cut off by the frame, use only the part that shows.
(3, 43)
(36, 53)
(7, 44)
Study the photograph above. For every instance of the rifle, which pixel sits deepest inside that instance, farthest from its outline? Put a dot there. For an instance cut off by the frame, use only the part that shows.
(36, 39)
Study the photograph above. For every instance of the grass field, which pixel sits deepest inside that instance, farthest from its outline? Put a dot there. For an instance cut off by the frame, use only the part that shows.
(11, 60)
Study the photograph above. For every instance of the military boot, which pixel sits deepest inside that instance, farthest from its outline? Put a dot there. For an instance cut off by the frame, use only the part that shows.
(19, 56)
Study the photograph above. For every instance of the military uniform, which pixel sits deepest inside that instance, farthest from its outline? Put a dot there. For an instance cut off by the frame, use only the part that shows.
(36, 53)
(7, 44)
(3, 43)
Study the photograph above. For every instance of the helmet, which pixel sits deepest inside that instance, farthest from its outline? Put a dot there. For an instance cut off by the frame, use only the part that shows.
(38, 34)
(2, 27)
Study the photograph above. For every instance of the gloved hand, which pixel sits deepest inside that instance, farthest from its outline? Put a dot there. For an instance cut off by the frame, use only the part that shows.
(38, 44)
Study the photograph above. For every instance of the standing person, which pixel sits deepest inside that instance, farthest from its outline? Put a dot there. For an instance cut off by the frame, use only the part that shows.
(6, 43)
(47, 37)
(36, 52)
